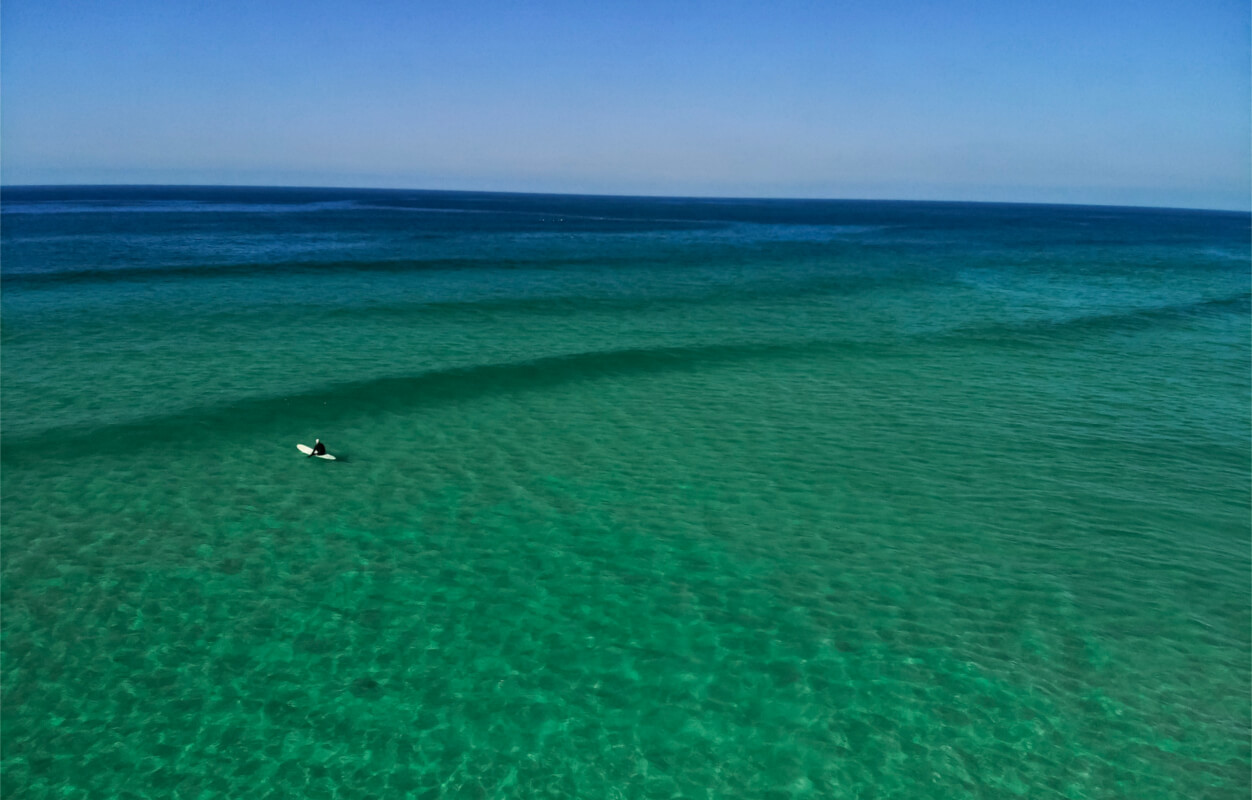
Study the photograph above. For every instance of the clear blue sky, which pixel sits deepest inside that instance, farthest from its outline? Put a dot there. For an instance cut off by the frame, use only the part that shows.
(1085, 101)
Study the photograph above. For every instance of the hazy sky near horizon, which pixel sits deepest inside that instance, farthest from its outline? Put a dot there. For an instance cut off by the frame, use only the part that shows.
(1144, 103)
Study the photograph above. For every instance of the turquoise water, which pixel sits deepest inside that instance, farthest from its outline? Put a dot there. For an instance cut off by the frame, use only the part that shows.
(635, 498)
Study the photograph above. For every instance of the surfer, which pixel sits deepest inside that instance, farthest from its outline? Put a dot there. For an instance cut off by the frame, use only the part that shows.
(319, 449)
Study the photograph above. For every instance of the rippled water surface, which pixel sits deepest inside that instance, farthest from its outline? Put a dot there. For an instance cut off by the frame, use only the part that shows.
(634, 498)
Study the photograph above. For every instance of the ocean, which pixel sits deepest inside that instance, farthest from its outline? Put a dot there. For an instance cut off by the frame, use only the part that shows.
(634, 498)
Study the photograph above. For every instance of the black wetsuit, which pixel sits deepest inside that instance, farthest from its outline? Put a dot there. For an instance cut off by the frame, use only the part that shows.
(319, 449)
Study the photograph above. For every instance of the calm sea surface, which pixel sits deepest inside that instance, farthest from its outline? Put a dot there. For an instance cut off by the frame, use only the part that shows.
(636, 497)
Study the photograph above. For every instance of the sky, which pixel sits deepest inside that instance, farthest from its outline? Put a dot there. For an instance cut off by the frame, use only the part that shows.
(1068, 101)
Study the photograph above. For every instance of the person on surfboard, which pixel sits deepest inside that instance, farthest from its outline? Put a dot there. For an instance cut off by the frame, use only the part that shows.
(319, 449)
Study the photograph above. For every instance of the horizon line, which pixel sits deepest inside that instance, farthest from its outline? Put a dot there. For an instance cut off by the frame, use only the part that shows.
(6, 186)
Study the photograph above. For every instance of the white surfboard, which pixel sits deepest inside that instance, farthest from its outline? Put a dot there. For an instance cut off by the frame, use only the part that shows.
(308, 451)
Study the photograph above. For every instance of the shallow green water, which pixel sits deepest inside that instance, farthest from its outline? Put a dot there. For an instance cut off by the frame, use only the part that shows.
(868, 501)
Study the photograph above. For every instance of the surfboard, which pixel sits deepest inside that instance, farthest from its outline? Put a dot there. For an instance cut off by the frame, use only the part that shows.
(308, 451)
